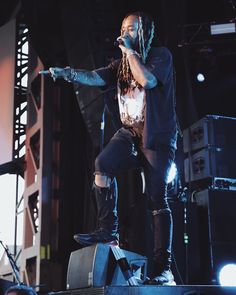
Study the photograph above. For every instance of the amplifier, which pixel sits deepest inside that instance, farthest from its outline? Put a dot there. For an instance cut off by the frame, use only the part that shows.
(217, 241)
(210, 162)
(212, 130)
(223, 183)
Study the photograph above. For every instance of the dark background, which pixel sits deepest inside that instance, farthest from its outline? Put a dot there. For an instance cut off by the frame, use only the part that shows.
(80, 34)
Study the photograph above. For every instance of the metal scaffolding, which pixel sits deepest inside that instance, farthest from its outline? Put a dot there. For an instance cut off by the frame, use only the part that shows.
(16, 166)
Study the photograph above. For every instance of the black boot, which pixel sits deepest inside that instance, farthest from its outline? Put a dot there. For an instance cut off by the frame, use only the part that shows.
(162, 229)
(107, 229)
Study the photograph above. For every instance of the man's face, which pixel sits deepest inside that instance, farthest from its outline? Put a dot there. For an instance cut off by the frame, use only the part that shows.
(129, 28)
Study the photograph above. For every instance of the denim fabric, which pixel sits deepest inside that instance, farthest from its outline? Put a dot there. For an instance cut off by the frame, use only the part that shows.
(125, 151)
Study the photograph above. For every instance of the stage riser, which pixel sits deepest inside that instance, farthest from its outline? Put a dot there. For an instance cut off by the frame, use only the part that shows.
(153, 290)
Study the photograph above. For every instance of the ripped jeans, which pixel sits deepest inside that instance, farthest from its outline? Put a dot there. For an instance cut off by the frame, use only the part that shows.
(123, 152)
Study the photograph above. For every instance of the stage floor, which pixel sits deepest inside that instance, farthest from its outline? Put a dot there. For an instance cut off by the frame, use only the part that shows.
(152, 290)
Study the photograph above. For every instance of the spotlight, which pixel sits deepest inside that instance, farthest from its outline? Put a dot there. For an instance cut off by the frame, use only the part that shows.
(218, 29)
(200, 77)
(227, 275)
(172, 173)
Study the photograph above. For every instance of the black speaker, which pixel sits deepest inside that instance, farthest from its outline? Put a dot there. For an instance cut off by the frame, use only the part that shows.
(95, 266)
(209, 163)
(217, 230)
(212, 130)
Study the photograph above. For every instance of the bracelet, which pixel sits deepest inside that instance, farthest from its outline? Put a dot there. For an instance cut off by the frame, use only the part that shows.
(69, 74)
(132, 52)
(72, 74)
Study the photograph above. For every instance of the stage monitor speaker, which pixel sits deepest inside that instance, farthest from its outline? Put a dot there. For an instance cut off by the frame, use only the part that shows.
(212, 130)
(211, 162)
(95, 266)
(217, 230)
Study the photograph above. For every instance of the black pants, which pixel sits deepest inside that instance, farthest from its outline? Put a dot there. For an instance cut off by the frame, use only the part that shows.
(124, 152)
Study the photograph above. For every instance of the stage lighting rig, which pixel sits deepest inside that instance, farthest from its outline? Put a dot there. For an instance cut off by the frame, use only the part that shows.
(225, 28)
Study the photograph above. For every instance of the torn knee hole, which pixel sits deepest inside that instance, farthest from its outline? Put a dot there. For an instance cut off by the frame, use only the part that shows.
(161, 211)
(102, 180)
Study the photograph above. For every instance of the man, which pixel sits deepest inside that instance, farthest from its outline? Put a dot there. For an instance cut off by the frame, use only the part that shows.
(147, 139)
(20, 289)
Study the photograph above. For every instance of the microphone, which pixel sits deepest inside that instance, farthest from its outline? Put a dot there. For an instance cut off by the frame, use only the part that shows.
(45, 72)
(118, 41)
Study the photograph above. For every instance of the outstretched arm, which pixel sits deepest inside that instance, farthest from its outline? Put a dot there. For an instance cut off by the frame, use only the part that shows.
(83, 77)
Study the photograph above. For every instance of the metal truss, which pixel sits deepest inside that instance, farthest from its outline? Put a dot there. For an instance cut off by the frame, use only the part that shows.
(16, 166)
(20, 116)
(42, 153)
(198, 36)
(21, 83)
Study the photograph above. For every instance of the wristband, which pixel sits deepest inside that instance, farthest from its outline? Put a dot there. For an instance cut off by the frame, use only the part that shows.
(69, 74)
(132, 52)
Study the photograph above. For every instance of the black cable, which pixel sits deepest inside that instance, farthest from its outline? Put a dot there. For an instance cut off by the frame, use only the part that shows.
(177, 269)
(174, 98)
(102, 124)
(96, 97)
(12, 263)
(186, 241)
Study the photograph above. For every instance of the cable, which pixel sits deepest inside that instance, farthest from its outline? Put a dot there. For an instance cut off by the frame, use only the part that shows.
(177, 269)
(13, 264)
(186, 241)
(102, 127)
(124, 265)
(174, 98)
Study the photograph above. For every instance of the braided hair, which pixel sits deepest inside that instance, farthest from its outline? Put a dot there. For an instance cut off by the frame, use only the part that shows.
(145, 36)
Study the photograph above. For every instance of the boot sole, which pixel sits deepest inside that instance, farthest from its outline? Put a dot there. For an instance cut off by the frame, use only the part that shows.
(85, 243)
(155, 283)
(173, 283)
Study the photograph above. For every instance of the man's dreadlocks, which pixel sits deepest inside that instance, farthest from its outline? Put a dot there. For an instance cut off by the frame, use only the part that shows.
(145, 37)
